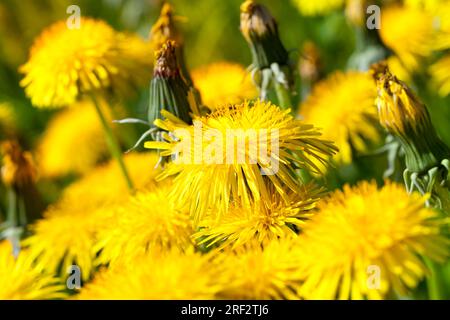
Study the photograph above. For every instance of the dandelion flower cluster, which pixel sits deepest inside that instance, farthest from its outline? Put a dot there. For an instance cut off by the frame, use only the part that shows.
(21, 279)
(65, 63)
(213, 178)
(145, 221)
(343, 107)
(261, 273)
(68, 232)
(159, 274)
(367, 226)
(80, 126)
(262, 221)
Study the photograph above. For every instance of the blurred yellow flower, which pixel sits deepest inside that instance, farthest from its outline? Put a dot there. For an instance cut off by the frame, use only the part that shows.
(7, 118)
(441, 75)
(21, 279)
(317, 7)
(442, 20)
(430, 5)
(146, 221)
(365, 231)
(104, 184)
(223, 83)
(80, 126)
(262, 222)
(260, 273)
(343, 106)
(159, 274)
(67, 234)
(397, 68)
(66, 63)
(409, 32)
(219, 168)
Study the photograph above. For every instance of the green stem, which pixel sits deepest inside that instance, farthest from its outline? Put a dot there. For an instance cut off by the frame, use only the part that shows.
(112, 143)
(12, 208)
(284, 98)
(435, 282)
(14, 231)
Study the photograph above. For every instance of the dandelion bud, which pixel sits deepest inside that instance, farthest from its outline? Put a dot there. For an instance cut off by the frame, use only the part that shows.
(18, 169)
(260, 30)
(310, 64)
(407, 118)
(168, 90)
(164, 30)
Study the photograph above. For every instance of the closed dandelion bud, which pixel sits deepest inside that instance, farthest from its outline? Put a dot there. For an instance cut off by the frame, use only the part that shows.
(18, 170)
(165, 29)
(407, 118)
(168, 90)
(261, 32)
(310, 64)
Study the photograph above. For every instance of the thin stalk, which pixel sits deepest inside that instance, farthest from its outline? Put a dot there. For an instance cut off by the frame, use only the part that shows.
(112, 143)
(12, 217)
(435, 282)
(284, 98)
(14, 232)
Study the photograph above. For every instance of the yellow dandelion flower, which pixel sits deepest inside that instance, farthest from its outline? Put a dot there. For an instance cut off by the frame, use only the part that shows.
(343, 107)
(261, 221)
(364, 230)
(67, 234)
(441, 13)
(80, 126)
(397, 68)
(20, 279)
(158, 274)
(66, 237)
(105, 185)
(241, 141)
(317, 7)
(146, 221)
(441, 75)
(409, 32)
(65, 63)
(223, 83)
(258, 273)
(430, 5)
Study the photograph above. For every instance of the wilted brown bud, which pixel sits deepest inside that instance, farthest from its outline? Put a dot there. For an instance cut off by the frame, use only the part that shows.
(18, 169)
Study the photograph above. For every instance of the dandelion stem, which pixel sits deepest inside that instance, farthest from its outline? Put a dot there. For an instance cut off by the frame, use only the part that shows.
(112, 143)
(284, 98)
(12, 207)
(13, 231)
(435, 282)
